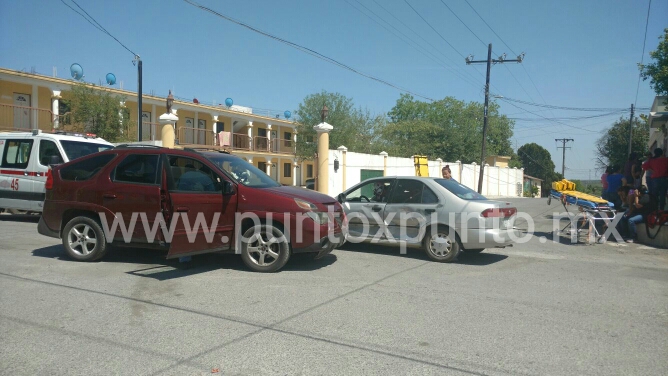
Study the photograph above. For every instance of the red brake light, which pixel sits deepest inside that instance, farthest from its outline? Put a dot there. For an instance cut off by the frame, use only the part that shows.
(499, 212)
(49, 180)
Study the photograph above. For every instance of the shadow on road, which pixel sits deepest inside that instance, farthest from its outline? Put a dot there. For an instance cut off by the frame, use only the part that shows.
(19, 218)
(160, 268)
(487, 257)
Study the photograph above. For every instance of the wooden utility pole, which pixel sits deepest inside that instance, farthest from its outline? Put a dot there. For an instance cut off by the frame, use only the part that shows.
(489, 61)
(563, 160)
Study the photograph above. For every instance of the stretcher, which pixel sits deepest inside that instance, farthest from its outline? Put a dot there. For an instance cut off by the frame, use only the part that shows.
(592, 209)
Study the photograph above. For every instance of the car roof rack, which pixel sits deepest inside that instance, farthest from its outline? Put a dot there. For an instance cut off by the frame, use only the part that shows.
(138, 146)
(197, 150)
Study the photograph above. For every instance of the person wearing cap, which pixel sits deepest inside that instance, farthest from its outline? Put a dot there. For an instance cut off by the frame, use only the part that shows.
(447, 173)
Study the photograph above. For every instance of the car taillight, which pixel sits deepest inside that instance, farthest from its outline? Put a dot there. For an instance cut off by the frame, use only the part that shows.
(499, 212)
(49, 180)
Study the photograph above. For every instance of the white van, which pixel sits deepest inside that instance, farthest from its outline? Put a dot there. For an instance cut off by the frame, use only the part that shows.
(25, 158)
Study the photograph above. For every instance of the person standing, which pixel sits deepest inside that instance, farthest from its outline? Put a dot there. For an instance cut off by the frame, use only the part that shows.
(658, 167)
(615, 181)
(604, 182)
(628, 168)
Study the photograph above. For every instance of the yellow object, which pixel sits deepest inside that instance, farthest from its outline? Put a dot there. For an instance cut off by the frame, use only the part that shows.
(421, 167)
(567, 187)
(563, 185)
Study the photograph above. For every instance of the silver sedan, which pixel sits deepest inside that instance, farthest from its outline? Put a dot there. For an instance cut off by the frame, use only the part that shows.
(441, 216)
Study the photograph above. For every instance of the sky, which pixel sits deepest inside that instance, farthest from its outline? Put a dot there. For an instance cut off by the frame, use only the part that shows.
(581, 54)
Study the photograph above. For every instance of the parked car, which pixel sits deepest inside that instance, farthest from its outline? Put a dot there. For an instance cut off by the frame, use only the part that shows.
(310, 183)
(462, 218)
(238, 207)
(25, 158)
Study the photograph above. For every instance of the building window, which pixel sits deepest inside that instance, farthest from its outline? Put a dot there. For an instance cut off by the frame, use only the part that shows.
(287, 170)
(262, 166)
(288, 139)
(309, 171)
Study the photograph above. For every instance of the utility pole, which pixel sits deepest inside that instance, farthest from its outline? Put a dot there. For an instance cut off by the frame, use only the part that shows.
(563, 161)
(630, 129)
(139, 97)
(489, 61)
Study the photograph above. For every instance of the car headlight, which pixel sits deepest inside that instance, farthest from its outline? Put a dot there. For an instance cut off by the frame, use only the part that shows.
(305, 204)
(320, 218)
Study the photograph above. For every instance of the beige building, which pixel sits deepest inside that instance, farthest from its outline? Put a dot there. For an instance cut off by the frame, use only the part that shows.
(497, 161)
(32, 101)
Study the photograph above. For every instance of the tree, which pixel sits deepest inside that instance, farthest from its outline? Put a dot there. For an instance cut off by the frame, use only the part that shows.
(354, 128)
(612, 148)
(537, 162)
(96, 110)
(657, 72)
(449, 129)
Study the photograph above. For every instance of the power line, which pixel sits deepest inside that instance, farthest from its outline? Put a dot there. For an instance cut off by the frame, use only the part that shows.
(642, 57)
(415, 45)
(497, 35)
(97, 25)
(593, 109)
(436, 31)
(555, 121)
(460, 20)
(306, 50)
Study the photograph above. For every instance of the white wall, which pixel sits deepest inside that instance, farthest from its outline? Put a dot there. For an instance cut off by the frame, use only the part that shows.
(497, 181)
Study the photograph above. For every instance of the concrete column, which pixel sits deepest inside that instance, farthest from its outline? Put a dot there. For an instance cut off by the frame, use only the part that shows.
(440, 167)
(55, 121)
(268, 168)
(294, 172)
(250, 134)
(460, 168)
(34, 104)
(384, 154)
(269, 148)
(344, 152)
(168, 123)
(323, 130)
(214, 120)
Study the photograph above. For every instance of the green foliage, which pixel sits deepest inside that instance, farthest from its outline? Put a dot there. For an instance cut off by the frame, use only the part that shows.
(96, 110)
(532, 192)
(537, 162)
(448, 129)
(354, 128)
(587, 188)
(612, 147)
(657, 72)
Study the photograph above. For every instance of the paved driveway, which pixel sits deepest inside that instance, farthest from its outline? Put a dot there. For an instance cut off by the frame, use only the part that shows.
(540, 308)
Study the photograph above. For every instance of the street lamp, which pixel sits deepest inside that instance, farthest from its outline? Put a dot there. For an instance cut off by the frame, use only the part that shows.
(323, 113)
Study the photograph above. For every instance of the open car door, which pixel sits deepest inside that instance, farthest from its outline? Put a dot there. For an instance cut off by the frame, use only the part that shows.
(201, 213)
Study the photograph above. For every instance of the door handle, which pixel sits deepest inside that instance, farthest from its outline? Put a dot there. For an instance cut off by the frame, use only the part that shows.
(376, 208)
(109, 195)
(182, 209)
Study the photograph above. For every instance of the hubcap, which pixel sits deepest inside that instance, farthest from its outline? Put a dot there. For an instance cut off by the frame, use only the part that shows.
(263, 250)
(81, 239)
(440, 245)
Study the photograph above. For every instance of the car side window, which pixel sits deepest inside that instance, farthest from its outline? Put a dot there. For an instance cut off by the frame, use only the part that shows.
(137, 169)
(428, 196)
(86, 168)
(375, 191)
(17, 153)
(47, 150)
(407, 192)
(193, 176)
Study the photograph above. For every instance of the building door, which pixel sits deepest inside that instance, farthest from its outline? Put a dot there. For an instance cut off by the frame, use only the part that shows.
(147, 130)
(188, 131)
(274, 141)
(200, 137)
(22, 111)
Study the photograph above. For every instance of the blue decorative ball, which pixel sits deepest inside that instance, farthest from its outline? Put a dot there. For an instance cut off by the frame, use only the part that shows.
(287, 114)
(229, 102)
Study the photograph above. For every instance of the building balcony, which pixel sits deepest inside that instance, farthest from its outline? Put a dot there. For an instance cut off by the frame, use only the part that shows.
(197, 137)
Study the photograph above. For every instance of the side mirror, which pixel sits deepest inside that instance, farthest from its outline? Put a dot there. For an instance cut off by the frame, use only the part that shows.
(228, 188)
(341, 198)
(55, 160)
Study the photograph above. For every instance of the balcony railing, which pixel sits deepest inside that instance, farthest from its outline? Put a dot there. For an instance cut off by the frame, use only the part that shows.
(13, 117)
(233, 141)
(151, 131)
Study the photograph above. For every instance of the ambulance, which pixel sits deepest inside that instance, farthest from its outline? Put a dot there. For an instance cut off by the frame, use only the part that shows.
(25, 158)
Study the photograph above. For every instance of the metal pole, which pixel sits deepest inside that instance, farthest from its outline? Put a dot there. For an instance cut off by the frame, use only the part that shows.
(484, 124)
(139, 104)
(630, 130)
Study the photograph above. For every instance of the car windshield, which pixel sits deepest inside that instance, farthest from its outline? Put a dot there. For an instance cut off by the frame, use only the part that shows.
(460, 190)
(78, 149)
(242, 171)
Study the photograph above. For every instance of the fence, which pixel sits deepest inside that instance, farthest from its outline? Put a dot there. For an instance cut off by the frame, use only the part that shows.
(497, 181)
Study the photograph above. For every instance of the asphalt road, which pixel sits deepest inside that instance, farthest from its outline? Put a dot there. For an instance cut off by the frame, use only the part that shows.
(539, 308)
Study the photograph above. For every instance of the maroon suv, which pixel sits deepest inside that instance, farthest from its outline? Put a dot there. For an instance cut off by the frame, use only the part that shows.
(186, 202)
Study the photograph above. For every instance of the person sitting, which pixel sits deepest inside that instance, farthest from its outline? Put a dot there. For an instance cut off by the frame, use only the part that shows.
(379, 192)
(641, 206)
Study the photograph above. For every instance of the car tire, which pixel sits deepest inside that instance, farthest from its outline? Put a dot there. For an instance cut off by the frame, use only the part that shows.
(441, 246)
(84, 239)
(264, 248)
(474, 250)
